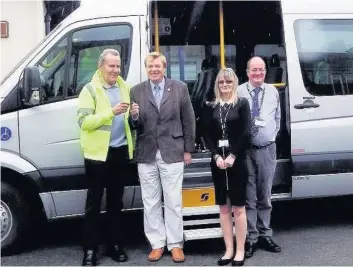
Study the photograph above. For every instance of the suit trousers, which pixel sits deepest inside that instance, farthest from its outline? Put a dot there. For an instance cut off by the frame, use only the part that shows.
(110, 175)
(159, 178)
(261, 166)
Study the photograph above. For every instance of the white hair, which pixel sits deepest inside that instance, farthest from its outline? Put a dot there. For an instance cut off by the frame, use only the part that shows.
(105, 52)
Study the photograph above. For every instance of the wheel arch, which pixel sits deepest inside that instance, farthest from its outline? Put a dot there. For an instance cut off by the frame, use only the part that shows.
(26, 178)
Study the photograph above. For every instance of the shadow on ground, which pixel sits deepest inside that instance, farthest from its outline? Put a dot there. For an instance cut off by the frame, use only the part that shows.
(286, 215)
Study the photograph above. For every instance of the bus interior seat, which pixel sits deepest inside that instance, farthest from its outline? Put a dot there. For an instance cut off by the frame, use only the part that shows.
(203, 88)
(274, 71)
(199, 79)
(337, 84)
(348, 79)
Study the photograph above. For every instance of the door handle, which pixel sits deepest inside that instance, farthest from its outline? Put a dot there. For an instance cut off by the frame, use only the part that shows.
(306, 104)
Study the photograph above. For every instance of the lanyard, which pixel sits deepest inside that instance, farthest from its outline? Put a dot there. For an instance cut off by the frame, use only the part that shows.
(223, 123)
(262, 97)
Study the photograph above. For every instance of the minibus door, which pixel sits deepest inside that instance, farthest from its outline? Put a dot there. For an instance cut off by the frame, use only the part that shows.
(320, 75)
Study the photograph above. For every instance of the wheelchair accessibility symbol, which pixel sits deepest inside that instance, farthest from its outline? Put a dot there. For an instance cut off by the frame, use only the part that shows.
(5, 133)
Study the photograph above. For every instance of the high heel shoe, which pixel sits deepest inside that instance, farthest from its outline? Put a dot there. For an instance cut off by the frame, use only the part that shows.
(238, 263)
(222, 262)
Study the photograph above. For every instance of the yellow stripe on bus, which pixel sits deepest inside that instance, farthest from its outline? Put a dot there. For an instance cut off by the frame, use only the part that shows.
(197, 197)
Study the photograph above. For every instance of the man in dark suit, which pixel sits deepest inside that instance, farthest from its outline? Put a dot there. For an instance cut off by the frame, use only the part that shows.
(164, 120)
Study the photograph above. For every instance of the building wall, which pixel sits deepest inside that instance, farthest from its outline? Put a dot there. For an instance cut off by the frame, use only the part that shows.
(26, 30)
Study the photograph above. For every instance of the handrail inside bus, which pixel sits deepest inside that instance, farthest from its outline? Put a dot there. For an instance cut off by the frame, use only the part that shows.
(55, 59)
(221, 35)
(156, 28)
(279, 85)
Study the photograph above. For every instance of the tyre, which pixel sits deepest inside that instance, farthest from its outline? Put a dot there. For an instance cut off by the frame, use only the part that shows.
(14, 217)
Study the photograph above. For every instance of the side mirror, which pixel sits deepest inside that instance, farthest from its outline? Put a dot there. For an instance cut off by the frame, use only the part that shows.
(31, 86)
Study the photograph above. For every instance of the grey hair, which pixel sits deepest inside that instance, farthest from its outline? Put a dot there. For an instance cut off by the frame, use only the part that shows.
(105, 52)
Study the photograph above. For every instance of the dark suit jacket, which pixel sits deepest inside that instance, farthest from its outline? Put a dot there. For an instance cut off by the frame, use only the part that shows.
(171, 130)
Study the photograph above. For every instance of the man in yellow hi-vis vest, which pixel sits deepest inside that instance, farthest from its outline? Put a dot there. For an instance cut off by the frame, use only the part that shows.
(107, 145)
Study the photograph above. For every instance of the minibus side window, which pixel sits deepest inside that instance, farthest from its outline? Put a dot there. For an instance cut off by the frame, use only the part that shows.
(52, 72)
(325, 50)
(88, 44)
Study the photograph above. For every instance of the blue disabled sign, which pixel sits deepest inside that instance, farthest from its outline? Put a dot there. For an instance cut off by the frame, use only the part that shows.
(5, 133)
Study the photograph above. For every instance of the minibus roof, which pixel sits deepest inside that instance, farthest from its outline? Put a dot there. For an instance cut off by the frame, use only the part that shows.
(93, 9)
(107, 8)
(317, 6)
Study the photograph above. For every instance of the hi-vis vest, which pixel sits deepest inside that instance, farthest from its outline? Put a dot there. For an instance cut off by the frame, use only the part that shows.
(95, 117)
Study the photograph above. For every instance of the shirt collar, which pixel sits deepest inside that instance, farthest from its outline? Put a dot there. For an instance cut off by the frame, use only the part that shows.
(221, 102)
(251, 87)
(108, 86)
(161, 84)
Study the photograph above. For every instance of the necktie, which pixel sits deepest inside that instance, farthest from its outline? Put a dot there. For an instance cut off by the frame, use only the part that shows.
(157, 94)
(224, 114)
(255, 112)
(224, 110)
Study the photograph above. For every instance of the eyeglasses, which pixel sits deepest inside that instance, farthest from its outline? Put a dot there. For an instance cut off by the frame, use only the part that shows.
(258, 70)
(227, 82)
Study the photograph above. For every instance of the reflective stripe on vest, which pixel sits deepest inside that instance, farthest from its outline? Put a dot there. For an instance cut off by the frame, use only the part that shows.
(107, 128)
(83, 112)
(93, 94)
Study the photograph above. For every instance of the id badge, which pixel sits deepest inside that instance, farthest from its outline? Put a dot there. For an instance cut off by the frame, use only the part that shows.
(260, 122)
(223, 143)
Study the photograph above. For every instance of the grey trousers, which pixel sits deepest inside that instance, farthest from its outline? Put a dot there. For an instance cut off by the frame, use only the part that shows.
(157, 178)
(261, 166)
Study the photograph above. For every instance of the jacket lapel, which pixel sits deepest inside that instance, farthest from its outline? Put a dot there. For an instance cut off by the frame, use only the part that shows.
(167, 91)
(150, 96)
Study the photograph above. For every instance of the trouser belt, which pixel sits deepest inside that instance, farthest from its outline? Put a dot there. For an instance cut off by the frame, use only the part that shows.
(260, 147)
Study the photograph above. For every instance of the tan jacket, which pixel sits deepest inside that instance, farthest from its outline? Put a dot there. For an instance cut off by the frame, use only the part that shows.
(171, 130)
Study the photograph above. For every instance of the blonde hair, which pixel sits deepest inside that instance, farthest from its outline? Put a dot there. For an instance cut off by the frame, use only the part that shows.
(154, 55)
(228, 74)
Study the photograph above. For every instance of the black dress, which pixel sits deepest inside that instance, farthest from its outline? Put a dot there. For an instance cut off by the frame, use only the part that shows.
(232, 181)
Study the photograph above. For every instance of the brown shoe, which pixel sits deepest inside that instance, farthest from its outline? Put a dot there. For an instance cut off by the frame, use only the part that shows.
(156, 254)
(178, 255)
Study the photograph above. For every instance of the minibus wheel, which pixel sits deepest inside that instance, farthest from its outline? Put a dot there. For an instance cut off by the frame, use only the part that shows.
(14, 215)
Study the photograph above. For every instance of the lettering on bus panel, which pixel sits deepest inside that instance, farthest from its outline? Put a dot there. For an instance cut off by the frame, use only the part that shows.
(299, 178)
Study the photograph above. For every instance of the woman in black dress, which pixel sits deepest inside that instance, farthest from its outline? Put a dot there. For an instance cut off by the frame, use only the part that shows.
(226, 122)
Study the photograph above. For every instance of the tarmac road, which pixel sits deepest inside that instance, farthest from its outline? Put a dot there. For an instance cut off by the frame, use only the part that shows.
(311, 232)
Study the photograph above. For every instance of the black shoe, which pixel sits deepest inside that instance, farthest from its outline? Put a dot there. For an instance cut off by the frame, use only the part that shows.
(89, 258)
(238, 263)
(117, 253)
(250, 248)
(222, 262)
(267, 243)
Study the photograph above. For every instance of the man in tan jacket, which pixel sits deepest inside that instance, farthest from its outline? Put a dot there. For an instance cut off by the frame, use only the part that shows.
(164, 120)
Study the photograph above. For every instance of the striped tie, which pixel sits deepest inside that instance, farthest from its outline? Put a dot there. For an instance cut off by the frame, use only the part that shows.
(255, 112)
(157, 95)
